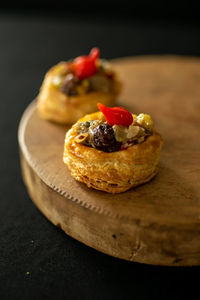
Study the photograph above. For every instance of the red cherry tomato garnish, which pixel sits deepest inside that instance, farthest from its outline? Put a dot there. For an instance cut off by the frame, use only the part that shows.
(86, 65)
(116, 115)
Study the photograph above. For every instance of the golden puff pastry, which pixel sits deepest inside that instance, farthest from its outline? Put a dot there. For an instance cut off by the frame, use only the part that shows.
(116, 171)
(64, 97)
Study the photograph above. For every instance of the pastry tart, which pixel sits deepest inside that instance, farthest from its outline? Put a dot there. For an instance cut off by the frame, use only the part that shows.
(113, 150)
(72, 89)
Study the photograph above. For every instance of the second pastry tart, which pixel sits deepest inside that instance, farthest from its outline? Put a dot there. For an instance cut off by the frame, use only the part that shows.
(72, 89)
(113, 150)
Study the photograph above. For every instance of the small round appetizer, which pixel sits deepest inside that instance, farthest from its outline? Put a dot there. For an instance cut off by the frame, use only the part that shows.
(113, 150)
(72, 89)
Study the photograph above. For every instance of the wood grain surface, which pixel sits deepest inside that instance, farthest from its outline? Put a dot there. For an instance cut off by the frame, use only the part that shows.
(155, 223)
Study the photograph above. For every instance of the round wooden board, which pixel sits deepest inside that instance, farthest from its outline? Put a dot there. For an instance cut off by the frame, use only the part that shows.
(156, 223)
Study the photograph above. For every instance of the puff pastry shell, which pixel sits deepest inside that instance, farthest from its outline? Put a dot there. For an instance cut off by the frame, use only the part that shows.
(113, 172)
(56, 106)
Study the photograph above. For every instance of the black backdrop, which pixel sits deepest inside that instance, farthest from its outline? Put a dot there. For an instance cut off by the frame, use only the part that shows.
(31, 41)
(134, 8)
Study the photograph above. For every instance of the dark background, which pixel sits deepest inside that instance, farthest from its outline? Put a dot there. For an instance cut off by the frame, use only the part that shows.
(31, 41)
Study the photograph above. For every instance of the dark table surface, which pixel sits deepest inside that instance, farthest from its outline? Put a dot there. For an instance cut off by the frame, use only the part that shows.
(37, 260)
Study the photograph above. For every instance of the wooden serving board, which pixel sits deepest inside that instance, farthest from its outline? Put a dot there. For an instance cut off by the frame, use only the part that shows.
(155, 223)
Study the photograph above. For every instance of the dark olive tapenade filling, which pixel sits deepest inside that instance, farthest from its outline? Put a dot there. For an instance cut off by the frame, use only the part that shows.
(102, 136)
(69, 84)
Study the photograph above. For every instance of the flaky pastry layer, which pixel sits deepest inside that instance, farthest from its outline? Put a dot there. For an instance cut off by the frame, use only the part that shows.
(113, 172)
(56, 106)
